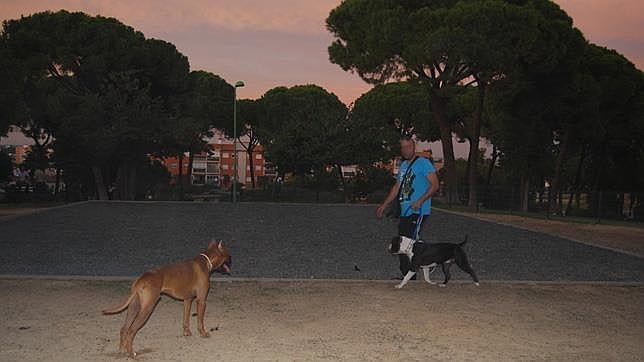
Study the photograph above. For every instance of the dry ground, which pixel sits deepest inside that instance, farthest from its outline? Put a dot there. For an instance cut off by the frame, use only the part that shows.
(293, 320)
(628, 239)
(7, 213)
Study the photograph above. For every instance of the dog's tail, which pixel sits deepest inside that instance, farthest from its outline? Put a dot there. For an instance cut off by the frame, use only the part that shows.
(464, 241)
(120, 308)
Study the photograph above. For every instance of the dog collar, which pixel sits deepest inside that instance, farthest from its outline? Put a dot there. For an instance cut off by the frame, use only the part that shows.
(208, 260)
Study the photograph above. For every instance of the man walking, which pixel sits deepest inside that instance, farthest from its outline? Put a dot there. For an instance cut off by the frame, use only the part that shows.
(415, 184)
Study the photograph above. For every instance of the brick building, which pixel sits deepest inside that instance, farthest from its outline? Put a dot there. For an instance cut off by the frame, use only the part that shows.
(216, 167)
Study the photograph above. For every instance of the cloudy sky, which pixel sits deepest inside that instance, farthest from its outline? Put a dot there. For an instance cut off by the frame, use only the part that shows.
(284, 42)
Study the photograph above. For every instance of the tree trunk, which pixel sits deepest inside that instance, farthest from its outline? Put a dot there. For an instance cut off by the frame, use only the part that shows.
(101, 191)
(191, 156)
(449, 162)
(318, 183)
(342, 182)
(557, 176)
(575, 186)
(489, 173)
(249, 150)
(119, 192)
(524, 192)
(123, 183)
(466, 182)
(180, 176)
(131, 181)
(474, 148)
(68, 186)
(57, 181)
(620, 204)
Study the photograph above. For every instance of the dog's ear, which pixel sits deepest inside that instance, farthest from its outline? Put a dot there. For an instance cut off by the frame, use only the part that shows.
(212, 244)
(220, 245)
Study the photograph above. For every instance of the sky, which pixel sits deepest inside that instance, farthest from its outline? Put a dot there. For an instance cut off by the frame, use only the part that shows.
(269, 43)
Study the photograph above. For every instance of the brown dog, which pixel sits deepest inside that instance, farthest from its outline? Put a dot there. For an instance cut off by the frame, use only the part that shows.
(185, 281)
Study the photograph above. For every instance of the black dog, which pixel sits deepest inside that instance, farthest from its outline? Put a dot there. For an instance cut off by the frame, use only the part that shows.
(426, 255)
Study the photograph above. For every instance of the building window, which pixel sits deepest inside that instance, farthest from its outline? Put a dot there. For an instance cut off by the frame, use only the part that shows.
(258, 156)
(225, 155)
(212, 167)
(248, 179)
(258, 168)
(224, 167)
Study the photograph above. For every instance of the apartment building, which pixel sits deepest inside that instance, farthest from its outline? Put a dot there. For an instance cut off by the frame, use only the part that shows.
(216, 166)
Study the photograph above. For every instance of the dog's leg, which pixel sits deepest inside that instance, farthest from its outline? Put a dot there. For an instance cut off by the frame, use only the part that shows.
(448, 275)
(461, 261)
(406, 279)
(132, 310)
(187, 303)
(202, 295)
(201, 311)
(148, 299)
(426, 274)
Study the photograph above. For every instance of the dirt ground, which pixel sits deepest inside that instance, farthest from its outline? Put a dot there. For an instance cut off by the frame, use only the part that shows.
(622, 238)
(10, 210)
(7, 213)
(290, 320)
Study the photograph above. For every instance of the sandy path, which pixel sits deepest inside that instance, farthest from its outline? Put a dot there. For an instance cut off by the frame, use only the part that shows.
(621, 238)
(60, 321)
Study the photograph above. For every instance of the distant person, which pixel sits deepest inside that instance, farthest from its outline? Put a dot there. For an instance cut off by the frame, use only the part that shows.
(415, 185)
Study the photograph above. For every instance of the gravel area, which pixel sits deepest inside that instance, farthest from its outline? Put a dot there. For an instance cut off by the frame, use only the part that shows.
(283, 241)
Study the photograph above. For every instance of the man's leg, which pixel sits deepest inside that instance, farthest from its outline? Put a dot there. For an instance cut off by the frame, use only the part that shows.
(419, 222)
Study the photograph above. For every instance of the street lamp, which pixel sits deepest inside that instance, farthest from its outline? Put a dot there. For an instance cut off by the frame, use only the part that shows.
(238, 84)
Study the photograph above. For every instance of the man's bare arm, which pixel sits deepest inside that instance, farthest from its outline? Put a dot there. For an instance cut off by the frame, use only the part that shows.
(433, 181)
(393, 193)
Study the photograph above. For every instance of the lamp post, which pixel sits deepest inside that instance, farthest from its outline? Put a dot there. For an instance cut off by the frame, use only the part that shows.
(238, 84)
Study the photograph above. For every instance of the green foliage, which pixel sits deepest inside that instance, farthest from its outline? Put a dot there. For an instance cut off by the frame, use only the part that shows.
(380, 116)
(616, 148)
(152, 179)
(370, 179)
(105, 93)
(307, 128)
(6, 166)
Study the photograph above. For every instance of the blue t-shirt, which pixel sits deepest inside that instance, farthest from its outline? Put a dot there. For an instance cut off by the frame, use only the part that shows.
(414, 186)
